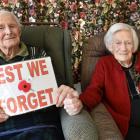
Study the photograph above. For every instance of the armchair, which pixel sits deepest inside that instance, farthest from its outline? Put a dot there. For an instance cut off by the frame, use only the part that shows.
(57, 43)
(93, 49)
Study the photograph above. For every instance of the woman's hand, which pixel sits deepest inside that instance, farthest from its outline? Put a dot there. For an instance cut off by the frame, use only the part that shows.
(3, 115)
(72, 104)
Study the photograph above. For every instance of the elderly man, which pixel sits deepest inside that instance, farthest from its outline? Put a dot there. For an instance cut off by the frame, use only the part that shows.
(43, 124)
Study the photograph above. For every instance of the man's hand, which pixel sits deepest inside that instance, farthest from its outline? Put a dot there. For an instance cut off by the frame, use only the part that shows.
(62, 93)
(69, 97)
(3, 115)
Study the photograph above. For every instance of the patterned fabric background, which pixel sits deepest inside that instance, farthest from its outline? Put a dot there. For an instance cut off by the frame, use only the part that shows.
(84, 18)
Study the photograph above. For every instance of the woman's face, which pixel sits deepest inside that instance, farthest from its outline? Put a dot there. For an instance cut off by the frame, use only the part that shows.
(9, 32)
(122, 46)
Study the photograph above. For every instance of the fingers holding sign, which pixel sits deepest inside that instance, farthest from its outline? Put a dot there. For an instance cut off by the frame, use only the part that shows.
(3, 115)
(69, 97)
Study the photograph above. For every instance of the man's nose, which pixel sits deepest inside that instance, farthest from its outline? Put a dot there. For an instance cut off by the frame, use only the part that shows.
(7, 30)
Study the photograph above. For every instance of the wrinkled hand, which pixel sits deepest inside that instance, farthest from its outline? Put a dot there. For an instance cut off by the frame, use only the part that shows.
(68, 97)
(62, 93)
(3, 115)
(72, 104)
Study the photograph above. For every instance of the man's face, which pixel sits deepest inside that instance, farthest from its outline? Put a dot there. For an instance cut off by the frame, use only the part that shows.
(122, 47)
(9, 32)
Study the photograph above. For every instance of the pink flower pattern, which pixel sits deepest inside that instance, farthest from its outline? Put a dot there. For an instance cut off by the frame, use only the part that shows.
(95, 16)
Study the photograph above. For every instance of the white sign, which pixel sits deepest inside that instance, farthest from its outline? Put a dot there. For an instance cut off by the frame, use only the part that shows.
(26, 86)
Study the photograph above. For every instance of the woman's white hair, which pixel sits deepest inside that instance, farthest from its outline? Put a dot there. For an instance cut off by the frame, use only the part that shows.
(3, 11)
(108, 39)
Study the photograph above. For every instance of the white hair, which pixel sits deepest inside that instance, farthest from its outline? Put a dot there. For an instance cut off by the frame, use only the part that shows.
(108, 39)
(3, 11)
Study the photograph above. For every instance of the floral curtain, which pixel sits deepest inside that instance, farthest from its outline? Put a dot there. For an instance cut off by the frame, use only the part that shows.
(84, 18)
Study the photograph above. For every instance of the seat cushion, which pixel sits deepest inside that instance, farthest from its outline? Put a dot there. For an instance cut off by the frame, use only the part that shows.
(107, 127)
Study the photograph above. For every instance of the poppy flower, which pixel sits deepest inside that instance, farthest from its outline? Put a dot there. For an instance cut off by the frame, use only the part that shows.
(24, 86)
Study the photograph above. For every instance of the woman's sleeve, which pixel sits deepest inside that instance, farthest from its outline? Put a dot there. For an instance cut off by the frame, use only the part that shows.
(92, 95)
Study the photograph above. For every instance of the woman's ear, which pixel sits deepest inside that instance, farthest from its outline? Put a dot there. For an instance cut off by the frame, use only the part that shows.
(110, 48)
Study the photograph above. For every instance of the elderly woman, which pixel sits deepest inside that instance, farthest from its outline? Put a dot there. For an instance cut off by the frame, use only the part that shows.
(116, 82)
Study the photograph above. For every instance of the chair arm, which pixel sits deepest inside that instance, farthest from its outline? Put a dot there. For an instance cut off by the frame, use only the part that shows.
(78, 127)
(106, 125)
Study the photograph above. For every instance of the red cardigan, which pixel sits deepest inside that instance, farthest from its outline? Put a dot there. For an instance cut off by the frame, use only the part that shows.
(109, 85)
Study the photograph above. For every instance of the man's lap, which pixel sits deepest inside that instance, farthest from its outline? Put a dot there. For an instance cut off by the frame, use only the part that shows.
(35, 134)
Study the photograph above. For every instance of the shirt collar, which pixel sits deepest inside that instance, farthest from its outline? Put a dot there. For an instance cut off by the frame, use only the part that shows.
(22, 52)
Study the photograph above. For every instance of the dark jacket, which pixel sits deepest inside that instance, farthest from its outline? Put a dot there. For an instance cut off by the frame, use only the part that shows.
(32, 121)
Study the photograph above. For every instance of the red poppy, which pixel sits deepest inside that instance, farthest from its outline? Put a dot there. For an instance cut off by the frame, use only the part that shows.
(24, 86)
